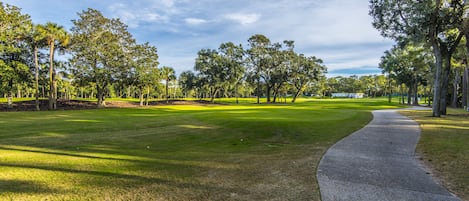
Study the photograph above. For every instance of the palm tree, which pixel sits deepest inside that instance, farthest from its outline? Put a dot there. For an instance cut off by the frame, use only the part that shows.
(168, 74)
(54, 35)
(37, 41)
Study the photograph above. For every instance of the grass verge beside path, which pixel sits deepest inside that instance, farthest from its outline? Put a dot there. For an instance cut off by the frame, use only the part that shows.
(178, 152)
(444, 146)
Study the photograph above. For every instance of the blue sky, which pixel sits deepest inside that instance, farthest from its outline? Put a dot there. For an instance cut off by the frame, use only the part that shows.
(337, 31)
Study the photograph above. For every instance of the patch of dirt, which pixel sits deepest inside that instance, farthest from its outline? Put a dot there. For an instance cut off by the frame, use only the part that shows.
(182, 102)
(43, 105)
(84, 105)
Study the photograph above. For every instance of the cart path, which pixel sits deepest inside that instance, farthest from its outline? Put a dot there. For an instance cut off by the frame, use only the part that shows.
(378, 163)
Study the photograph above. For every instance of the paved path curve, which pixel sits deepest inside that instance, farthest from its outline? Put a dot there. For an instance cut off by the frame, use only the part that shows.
(378, 163)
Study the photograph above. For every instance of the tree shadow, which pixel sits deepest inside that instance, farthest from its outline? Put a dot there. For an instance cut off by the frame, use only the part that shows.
(31, 187)
(18, 186)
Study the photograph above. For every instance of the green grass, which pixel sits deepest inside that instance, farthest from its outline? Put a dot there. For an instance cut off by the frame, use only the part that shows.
(444, 146)
(5, 100)
(184, 152)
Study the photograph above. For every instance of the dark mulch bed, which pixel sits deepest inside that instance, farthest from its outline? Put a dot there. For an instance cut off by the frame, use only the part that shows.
(44, 104)
(83, 105)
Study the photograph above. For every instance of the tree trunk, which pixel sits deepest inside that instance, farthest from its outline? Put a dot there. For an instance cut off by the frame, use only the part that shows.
(148, 96)
(454, 101)
(101, 92)
(167, 95)
(101, 102)
(141, 96)
(401, 100)
(236, 93)
(258, 89)
(409, 95)
(299, 90)
(430, 102)
(444, 84)
(212, 94)
(276, 92)
(54, 83)
(10, 99)
(436, 84)
(389, 98)
(416, 94)
(465, 90)
(51, 76)
(390, 91)
(269, 88)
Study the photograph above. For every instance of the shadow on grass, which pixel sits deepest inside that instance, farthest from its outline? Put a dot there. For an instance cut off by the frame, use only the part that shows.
(17, 186)
(66, 154)
(28, 187)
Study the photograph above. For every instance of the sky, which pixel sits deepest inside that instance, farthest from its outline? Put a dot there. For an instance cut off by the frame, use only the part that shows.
(337, 31)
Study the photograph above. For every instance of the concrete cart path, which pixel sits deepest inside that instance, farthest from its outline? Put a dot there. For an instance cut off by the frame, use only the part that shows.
(378, 163)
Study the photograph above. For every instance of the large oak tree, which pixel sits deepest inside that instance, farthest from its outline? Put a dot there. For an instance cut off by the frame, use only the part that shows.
(102, 50)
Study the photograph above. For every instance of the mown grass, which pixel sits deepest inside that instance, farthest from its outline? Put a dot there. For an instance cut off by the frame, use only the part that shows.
(444, 146)
(184, 152)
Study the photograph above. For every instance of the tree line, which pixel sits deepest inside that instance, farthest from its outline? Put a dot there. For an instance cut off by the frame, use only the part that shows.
(102, 59)
(432, 46)
(265, 69)
(100, 53)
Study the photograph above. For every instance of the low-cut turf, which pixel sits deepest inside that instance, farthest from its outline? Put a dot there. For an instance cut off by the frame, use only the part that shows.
(183, 152)
(444, 146)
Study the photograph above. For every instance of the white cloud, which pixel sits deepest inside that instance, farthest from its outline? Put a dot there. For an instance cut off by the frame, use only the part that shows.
(168, 3)
(195, 21)
(133, 14)
(243, 18)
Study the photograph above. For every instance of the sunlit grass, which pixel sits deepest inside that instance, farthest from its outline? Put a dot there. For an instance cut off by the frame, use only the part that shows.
(5, 100)
(444, 145)
(183, 152)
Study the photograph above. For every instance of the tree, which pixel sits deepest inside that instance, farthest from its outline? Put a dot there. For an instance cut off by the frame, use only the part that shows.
(210, 66)
(187, 82)
(37, 41)
(55, 36)
(282, 62)
(14, 29)
(145, 72)
(101, 50)
(232, 60)
(274, 72)
(168, 74)
(436, 22)
(258, 58)
(306, 70)
(407, 65)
